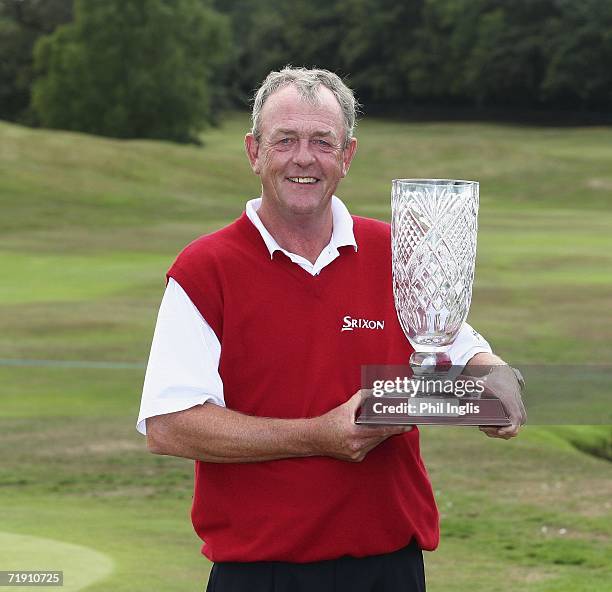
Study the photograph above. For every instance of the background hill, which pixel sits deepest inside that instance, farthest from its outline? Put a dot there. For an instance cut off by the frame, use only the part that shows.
(87, 230)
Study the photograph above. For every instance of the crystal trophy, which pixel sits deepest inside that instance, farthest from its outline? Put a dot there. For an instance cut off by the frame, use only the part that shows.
(433, 244)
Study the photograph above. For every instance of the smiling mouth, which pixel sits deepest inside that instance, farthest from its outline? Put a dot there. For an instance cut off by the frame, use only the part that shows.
(303, 180)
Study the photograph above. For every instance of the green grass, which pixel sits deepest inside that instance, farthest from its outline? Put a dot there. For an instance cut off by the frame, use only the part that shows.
(88, 227)
(82, 566)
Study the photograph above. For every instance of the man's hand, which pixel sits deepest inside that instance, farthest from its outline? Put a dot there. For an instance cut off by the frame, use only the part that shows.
(335, 433)
(503, 382)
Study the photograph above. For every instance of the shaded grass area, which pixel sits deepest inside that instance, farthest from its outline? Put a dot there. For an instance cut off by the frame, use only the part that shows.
(89, 227)
(590, 439)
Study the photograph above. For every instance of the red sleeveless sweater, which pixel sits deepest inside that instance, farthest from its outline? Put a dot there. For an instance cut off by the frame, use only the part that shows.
(284, 354)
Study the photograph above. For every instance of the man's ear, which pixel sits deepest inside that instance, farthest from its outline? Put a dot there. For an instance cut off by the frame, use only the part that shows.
(251, 146)
(347, 155)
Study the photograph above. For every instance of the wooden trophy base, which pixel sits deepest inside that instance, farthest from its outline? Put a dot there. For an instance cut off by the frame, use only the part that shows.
(432, 410)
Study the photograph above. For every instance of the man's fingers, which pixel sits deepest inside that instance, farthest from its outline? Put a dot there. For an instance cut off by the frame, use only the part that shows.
(511, 430)
(505, 432)
(491, 432)
(357, 399)
(523, 419)
(374, 431)
(395, 430)
(516, 411)
(506, 384)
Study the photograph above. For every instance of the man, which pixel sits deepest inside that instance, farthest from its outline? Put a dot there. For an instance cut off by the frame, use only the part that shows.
(251, 375)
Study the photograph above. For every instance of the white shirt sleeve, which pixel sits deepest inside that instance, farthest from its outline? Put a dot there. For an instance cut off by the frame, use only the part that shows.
(183, 368)
(467, 344)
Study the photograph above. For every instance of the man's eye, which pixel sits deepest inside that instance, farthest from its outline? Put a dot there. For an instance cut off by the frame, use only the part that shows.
(285, 141)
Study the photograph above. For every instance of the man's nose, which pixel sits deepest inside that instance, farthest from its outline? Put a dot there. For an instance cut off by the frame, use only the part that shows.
(303, 155)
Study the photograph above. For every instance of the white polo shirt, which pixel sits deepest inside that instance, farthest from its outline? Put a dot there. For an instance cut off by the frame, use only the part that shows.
(183, 368)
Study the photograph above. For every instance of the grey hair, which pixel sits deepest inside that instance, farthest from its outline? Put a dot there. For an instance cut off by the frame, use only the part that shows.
(307, 82)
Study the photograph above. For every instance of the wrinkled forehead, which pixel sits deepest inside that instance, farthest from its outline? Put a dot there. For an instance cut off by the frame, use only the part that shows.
(287, 108)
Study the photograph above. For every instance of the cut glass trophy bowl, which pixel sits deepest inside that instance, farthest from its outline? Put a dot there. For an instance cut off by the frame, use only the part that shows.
(433, 240)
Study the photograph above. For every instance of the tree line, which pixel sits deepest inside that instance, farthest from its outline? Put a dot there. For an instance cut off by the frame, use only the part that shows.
(165, 68)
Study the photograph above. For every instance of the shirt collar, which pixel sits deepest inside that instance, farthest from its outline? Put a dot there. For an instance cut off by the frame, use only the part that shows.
(342, 225)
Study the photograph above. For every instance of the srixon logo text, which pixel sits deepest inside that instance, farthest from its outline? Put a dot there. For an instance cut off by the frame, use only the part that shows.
(349, 324)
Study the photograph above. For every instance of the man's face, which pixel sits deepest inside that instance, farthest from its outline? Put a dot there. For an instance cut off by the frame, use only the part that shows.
(301, 156)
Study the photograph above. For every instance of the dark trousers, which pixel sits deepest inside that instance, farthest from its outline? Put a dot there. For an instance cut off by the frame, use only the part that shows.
(400, 571)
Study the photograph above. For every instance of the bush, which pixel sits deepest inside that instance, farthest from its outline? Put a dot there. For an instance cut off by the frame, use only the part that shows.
(137, 69)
